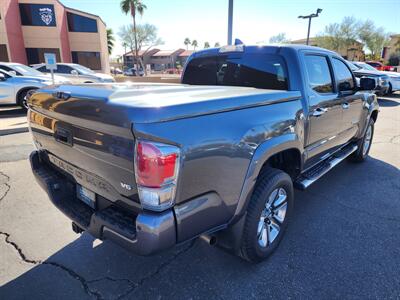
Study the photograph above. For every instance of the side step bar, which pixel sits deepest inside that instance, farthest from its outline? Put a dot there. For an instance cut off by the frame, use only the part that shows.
(310, 176)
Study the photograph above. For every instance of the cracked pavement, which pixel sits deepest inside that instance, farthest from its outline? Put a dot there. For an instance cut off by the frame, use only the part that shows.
(342, 242)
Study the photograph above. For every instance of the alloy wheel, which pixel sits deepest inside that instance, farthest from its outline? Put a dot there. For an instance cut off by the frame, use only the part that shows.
(367, 140)
(272, 217)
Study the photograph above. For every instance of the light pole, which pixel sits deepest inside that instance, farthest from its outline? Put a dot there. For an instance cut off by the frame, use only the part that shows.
(230, 21)
(309, 17)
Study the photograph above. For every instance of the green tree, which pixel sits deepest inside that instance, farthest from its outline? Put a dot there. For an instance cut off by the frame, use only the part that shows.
(374, 38)
(206, 45)
(216, 45)
(339, 36)
(110, 40)
(280, 38)
(133, 7)
(330, 38)
(194, 44)
(146, 38)
(187, 42)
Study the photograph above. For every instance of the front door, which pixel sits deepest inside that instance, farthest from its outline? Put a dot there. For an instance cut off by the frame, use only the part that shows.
(325, 109)
(350, 100)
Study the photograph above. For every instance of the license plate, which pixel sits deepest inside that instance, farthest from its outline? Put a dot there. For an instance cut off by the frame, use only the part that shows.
(86, 196)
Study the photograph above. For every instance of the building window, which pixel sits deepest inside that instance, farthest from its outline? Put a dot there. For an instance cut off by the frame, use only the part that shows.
(77, 23)
(36, 55)
(90, 60)
(37, 15)
(3, 53)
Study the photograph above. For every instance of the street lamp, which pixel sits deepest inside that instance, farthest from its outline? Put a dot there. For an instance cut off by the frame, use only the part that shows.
(230, 21)
(309, 17)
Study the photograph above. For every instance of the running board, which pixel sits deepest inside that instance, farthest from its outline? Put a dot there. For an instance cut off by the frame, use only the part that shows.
(315, 173)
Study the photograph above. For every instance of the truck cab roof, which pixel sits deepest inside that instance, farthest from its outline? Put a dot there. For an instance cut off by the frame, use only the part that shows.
(267, 49)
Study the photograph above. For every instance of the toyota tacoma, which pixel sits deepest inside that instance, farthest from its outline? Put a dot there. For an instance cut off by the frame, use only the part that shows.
(149, 166)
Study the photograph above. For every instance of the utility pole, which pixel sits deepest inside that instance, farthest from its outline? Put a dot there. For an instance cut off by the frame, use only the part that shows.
(309, 17)
(230, 21)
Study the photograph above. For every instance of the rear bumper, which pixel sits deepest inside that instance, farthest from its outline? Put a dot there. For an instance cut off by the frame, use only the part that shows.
(143, 234)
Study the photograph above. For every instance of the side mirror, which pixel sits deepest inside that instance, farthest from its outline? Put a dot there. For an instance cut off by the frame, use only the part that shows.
(2, 77)
(367, 84)
(74, 72)
(13, 73)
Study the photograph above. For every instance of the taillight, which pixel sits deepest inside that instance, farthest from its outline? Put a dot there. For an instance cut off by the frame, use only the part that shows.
(156, 172)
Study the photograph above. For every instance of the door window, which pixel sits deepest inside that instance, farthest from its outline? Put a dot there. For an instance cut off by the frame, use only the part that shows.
(319, 75)
(344, 75)
(63, 69)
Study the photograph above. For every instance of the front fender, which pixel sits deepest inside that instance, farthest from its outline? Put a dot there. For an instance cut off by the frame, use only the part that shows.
(370, 105)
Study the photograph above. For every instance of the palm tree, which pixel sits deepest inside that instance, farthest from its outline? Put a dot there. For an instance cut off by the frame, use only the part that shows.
(110, 40)
(133, 7)
(206, 45)
(187, 42)
(194, 44)
(216, 45)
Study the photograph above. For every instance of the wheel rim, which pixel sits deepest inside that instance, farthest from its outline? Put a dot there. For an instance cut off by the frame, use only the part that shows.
(25, 103)
(367, 140)
(272, 217)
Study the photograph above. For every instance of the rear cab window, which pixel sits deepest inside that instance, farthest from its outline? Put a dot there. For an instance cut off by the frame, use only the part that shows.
(258, 70)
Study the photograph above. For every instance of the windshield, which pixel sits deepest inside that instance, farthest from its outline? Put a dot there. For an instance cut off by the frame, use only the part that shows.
(82, 69)
(25, 70)
(261, 71)
(353, 66)
(366, 66)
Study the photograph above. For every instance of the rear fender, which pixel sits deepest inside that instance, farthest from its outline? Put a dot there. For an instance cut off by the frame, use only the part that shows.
(263, 152)
(230, 238)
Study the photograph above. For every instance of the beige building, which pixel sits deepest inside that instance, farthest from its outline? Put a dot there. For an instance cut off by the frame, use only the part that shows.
(392, 48)
(158, 60)
(30, 28)
(354, 53)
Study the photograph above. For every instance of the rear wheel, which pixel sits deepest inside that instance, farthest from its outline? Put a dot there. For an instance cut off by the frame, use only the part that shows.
(267, 216)
(364, 144)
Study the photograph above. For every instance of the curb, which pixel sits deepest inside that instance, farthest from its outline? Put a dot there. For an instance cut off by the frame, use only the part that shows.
(13, 130)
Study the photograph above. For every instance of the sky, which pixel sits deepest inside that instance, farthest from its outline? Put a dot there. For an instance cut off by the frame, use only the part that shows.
(254, 21)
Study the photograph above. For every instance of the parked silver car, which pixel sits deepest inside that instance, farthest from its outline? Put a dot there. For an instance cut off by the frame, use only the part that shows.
(22, 70)
(394, 77)
(13, 89)
(76, 73)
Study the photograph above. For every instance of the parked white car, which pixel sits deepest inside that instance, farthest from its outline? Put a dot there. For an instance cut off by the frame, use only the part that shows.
(13, 89)
(22, 70)
(394, 77)
(76, 73)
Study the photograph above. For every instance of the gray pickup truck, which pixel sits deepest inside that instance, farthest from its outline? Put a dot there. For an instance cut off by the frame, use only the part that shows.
(149, 166)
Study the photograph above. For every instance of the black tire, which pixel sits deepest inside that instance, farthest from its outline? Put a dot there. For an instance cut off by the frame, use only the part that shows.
(21, 99)
(390, 90)
(361, 154)
(270, 180)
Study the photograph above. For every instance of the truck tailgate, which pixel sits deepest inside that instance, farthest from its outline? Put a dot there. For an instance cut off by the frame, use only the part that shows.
(88, 139)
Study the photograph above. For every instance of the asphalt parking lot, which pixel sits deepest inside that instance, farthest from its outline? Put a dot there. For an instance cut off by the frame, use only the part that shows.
(344, 240)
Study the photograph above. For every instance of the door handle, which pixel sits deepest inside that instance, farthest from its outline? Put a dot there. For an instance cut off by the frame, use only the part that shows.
(345, 105)
(319, 111)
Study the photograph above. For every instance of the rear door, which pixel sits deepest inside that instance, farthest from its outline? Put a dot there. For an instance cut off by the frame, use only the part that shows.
(325, 111)
(351, 101)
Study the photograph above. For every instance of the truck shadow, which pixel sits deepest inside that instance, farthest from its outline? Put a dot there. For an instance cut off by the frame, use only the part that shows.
(11, 111)
(388, 102)
(332, 237)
